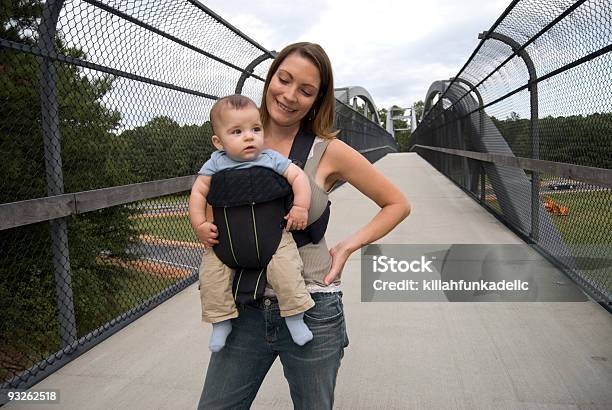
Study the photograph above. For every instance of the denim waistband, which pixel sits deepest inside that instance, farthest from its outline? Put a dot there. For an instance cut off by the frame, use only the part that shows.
(272, 302)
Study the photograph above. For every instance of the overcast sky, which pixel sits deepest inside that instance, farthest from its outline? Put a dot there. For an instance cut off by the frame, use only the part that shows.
(395, 49)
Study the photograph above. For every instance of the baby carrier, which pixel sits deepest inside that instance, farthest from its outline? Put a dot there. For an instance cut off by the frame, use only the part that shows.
(249, 206)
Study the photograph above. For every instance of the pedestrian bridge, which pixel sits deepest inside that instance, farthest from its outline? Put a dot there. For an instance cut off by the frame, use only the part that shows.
(105, 122)
(401, 355)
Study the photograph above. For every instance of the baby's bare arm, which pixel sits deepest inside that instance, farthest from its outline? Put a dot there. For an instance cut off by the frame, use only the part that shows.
(197, 201)
(206, 231)
(298, 214)
(300, 185)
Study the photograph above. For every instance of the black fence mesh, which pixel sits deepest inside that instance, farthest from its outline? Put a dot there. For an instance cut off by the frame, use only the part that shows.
(537, 87)
(367, 137)
(93, 96)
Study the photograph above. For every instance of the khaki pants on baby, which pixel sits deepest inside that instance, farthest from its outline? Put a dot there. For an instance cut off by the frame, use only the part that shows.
(284, 273)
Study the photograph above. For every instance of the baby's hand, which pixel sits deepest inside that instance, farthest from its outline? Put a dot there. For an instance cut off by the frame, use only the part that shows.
(207, 234)
(296, 218)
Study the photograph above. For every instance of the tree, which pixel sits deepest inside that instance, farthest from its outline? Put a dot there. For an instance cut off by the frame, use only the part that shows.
(419, 106)
(382, 114)
(29, 328)
(402, 137)
(163, 149)
(577, 139)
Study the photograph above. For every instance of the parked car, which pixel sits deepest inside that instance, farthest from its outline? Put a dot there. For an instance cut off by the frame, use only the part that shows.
(561, 186)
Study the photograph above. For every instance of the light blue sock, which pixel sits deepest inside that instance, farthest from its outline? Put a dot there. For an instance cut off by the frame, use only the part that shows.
(298, 329)
(220, 332)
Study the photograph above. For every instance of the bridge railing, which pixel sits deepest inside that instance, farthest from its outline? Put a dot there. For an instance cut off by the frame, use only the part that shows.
(104, 120)
(526, 128)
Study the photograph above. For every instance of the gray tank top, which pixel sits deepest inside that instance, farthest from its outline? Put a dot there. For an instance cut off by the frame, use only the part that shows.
(315, 257)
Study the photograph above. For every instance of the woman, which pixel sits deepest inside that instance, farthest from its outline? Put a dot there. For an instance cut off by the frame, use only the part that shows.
(299, 98)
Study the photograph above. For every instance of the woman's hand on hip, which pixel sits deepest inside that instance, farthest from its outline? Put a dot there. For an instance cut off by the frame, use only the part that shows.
(339, 253)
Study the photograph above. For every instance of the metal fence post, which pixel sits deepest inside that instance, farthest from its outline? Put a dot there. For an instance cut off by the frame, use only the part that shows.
(483, 175)
(67, 77)
(54, 173)
(472, 176)
(250, 69)
(534, 128)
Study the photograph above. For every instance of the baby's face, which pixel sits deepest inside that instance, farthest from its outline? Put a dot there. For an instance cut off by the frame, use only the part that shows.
(240, 133)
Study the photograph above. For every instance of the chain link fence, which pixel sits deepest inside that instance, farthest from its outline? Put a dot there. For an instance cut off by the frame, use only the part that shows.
(366, 136)
(526, 128)
(104, 121)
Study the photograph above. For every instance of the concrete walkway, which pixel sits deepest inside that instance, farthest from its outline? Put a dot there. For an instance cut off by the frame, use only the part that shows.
(401, 355)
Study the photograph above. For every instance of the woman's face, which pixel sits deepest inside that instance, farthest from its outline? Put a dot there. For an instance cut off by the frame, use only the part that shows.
(293, 90)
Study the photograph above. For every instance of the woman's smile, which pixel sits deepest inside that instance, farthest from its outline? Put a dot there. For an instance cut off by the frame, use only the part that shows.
(284, 107)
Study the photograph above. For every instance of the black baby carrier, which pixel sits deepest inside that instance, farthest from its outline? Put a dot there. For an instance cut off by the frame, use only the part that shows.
(249, 206)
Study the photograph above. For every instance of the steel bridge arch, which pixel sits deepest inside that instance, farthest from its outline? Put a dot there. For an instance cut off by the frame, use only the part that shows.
(347, 94)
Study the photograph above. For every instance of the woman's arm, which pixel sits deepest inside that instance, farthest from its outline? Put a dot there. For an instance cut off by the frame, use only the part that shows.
(349, 165)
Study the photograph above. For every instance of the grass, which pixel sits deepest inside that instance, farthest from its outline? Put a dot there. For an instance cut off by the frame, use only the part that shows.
(175, 228)
(170, 227)
(590, 217)
(494, 204)
(137, 287)
(176, 199)
(587, 230)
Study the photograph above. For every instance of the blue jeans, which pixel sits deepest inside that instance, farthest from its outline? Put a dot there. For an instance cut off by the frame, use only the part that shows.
(258, 336)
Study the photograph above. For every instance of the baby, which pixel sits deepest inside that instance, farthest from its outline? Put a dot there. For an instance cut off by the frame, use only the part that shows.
(239, 138)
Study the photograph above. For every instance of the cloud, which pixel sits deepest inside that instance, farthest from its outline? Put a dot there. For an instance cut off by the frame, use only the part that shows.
(272, 23)
(395, 49)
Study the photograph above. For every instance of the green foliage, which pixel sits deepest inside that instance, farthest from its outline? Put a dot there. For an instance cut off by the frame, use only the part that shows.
(29, 329)
(164, 149)
(403, 140)
(577, 139)
(93, 155)
(19, 19)
(402, 137)
(419, 106)
(382, 113)
(581, 140)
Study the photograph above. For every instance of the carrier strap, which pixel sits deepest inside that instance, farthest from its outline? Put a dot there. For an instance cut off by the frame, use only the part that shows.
(249, 285)
(302, 144)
